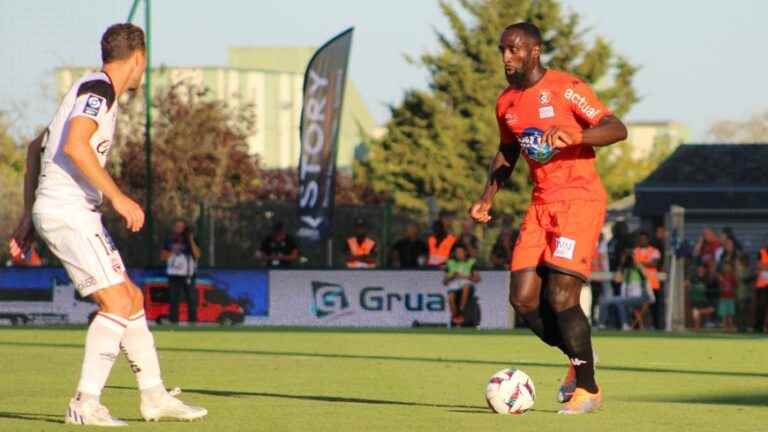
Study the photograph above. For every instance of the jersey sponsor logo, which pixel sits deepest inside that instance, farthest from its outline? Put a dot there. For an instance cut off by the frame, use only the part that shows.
(564, 247)
(103, 147)
(93, 105)
(546, 112)
(534, 147)
(545, 97)
(581, 103)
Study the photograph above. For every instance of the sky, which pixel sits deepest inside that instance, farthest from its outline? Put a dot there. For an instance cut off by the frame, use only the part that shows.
(701, 60)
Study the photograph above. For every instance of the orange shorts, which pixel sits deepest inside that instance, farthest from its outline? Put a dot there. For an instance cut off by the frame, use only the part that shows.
(561, 235)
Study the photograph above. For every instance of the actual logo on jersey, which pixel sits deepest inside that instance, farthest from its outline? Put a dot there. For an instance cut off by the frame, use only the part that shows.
(581, 103)
(534, 147)
(545, 97)
(511, 118)
(564, 247)
(103, 147)
(93, 105)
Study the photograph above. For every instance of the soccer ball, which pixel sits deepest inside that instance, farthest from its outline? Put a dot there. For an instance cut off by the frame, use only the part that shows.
(510, 391)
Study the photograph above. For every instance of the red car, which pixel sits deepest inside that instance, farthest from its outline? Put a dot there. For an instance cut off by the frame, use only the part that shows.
(213, 304)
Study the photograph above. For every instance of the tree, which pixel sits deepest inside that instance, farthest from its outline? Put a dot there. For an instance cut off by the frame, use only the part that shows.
(620, 171)
(12, 168)
(752, 130)
(440, 141)
(200, 151)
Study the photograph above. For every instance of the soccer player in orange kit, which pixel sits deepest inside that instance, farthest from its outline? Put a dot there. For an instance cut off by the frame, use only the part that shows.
(554, 119)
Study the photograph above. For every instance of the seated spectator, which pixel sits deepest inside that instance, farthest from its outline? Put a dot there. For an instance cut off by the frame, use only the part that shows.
(706, 249)
(439, 245)
(726, 306)
(460, 277)
(501, 252)
(410, 251)
(635, 291)
(468, 238)
(279, 249)
(360, 248)
(698, 293)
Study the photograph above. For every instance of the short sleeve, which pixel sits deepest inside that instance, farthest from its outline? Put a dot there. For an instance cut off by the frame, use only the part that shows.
(506, 136)
(584, 103)
(94, 99)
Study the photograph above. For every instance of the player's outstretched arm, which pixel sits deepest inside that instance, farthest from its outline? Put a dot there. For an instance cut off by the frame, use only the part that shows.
(77, 148)
(499, 171)
(25, 230)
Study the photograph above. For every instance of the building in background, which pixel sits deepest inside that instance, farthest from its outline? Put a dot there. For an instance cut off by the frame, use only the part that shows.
(645, 135)
(270, 78)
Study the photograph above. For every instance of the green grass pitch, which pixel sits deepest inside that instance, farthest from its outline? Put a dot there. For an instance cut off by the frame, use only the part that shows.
(396, 380)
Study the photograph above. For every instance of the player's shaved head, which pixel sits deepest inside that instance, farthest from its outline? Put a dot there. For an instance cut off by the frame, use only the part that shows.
(528, 30)
(120, 41)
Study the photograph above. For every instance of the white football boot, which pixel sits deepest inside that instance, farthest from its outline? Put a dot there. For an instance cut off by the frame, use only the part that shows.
(90, 413)
(169, 407)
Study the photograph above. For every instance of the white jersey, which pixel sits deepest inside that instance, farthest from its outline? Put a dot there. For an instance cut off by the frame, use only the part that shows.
(61, 182)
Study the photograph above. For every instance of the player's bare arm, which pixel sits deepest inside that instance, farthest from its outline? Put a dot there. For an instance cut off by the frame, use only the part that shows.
(499, 171)
(76, 147)
(25, 230)
(610, 130)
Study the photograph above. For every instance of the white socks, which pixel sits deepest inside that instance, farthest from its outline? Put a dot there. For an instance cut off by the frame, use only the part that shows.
(139, 348)
(102, 345)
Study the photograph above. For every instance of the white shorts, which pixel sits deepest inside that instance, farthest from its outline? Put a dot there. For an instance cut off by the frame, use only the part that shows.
(84, 247)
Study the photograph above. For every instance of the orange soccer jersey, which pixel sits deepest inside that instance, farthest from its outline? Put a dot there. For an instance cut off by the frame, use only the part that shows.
(567, 210)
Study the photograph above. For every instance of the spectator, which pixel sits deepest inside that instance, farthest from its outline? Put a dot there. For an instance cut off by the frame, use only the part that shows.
(647, 258)
(728, 253)
(181, 252)
(706, 249)
(698, 286)
(761, 289)
(439, 245)
(600, 289)
(727, 233)
(410, 251)
(660, 242)
(635, 291)
(743, 292)
(501, 252)
(460, 277)
(360, 248)
(30, 257)
(619, 243)
(279, 249)
(468, 238)
(726, 306)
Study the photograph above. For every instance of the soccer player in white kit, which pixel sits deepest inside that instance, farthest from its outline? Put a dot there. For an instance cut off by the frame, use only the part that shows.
(63, 189)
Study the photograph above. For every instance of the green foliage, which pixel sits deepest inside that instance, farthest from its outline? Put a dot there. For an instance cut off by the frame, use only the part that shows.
(440, 142)
(12, 167)
(620, 170)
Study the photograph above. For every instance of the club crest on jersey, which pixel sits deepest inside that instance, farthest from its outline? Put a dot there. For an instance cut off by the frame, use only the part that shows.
(545, 97)
(93, 104)
(534, 147)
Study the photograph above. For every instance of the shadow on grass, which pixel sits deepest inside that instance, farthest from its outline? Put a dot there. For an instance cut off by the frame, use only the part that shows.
(502, 362)
(314, 398)
(737, 399)
(47, 418)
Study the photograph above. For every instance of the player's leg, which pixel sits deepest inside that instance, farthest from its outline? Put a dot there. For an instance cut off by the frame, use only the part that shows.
(95, 268)
(525, 293)
(138, 344)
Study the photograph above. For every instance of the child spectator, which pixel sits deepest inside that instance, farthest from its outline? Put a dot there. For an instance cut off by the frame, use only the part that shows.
(726, 306)
(698, 287)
